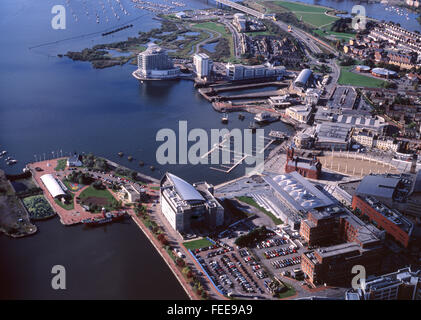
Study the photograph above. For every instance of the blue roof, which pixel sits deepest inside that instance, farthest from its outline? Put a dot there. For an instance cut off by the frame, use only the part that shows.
(186, 191)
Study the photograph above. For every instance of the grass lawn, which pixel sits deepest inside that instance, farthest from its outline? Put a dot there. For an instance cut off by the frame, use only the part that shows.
(197, 244)
(290, 292)
(337, 35)
(250, 201)
(309, 14)
(92, 192)
(358, 80)
(217, 27)
(61, 165)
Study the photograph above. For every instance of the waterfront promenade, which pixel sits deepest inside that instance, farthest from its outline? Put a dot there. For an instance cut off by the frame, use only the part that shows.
(67, 217)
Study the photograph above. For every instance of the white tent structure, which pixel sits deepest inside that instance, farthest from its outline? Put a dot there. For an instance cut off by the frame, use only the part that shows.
(52, 185)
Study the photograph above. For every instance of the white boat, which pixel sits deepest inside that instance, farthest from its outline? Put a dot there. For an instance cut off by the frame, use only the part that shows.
(225, 118)
(265, 117)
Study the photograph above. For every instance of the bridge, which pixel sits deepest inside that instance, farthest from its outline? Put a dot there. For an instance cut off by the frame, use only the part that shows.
(239, 7)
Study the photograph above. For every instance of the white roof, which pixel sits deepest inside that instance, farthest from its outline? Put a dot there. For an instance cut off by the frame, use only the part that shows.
(186, 191)
(52, 185)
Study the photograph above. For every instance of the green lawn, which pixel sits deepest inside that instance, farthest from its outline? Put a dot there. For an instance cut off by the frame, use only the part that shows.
(92, 192)
(358, 80)
(309, 14)
(61, 165)
(217, 27)
(197, 244)
(290, 292)
(337, 35)
(250, 201)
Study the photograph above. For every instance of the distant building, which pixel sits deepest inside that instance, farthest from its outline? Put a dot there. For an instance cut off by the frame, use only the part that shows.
(203, 65)
(383, 73)
(403, 284)
(303, 78)
(187, 206)
(154, 63)
(309, 168)
(74, 161)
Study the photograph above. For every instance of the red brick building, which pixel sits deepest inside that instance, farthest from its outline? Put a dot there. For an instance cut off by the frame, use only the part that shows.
(394, 223)
(309, 168)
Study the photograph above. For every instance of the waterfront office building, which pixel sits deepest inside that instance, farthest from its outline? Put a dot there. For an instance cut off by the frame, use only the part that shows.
(243, 72)
(154, 63)
(203, 65)
(187, 206)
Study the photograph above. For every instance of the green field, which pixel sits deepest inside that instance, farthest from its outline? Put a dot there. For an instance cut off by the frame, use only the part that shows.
(250, 201)
(197, 244)
(337, 35)
(217, 27)
(288, 293)
(96, 193)
(312, 15)
(358, 80)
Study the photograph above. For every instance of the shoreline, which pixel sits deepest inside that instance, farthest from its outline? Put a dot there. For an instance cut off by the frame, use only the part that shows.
(165, 256)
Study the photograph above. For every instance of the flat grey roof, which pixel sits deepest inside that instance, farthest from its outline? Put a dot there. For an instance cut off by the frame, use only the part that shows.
(378, 186)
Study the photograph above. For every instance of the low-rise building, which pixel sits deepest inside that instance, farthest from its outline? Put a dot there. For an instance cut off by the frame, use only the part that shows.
(309, 168)
(331, 136)
(299, 113)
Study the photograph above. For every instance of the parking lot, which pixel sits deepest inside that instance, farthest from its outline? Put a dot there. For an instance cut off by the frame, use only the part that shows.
(281, 254)
(234, 271)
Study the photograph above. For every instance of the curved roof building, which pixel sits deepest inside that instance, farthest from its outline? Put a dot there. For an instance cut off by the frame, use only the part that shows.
(186, 191)
(382, 72)
(303, 77)
(188, 206)
(52, 185)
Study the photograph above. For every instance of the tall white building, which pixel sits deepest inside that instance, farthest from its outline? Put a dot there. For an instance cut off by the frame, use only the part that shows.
(154, 63)
(187, 206)
(202, 64)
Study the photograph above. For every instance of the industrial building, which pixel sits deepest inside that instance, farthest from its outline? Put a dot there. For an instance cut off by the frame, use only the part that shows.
(203, 65)
(187, 206)
(404, 284)
(154, 63)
